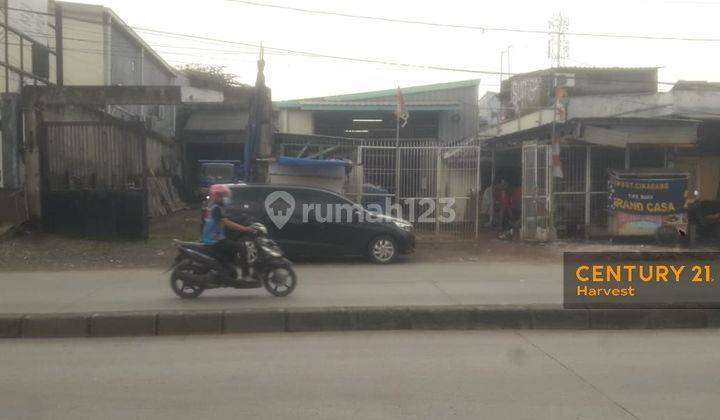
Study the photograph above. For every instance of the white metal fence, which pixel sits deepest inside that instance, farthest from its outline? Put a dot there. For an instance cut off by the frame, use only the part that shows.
(432, 184)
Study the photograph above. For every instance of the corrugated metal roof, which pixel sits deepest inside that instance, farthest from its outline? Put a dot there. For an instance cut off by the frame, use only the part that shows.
(378, 106)
(218, 120)
(379, 93)
(696, 85)
(554, 70)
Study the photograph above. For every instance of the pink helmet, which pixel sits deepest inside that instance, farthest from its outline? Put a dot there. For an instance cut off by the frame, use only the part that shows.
(218, 191)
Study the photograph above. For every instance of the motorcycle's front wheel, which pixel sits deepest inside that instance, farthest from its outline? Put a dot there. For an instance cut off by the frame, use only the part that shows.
(181, 287)
(280, 279)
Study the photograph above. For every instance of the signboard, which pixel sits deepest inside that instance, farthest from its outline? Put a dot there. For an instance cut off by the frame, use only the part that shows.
(641, 203)
(621, 280)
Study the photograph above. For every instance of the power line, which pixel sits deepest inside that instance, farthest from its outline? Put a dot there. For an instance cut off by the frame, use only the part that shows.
(315, 54)
(471, 27)
(428, 23)
(321, 55)
(306, 53)
(366, 60)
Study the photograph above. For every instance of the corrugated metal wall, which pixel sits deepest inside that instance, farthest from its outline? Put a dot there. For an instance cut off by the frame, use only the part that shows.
(95, 156)
(160, 157)
(463, 123)
(130, 66)
(94, 181)
(452, 125)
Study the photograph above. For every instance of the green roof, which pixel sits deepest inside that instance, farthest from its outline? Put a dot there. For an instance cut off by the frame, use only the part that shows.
(296, 103)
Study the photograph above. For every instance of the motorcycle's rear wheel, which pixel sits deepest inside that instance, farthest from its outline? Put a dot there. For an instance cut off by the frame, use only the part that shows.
(280, 280)
(182, 288)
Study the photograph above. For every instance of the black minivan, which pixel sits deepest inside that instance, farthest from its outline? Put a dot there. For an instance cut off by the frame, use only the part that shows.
(314, 222)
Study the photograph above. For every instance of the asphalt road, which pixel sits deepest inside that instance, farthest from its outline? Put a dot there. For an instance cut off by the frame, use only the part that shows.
(346, 284)
(671, 374)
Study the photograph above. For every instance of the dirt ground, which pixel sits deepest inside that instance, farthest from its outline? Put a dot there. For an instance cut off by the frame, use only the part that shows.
(40, 251)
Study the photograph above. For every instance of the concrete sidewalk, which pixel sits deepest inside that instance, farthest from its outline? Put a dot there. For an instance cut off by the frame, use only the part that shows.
(320, 285)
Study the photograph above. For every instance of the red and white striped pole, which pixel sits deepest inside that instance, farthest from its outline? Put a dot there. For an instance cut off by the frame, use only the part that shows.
(559, 116)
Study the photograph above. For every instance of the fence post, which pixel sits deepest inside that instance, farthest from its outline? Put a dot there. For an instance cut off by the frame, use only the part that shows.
(145, 188)
(588, 188)
(492, 186)
(550, 191)
(360, 176)
(397, 174)
(43, 147)
(438, 163)
(478, 184)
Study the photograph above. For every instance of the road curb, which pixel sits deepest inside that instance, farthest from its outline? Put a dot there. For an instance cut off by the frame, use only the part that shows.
(151, 323)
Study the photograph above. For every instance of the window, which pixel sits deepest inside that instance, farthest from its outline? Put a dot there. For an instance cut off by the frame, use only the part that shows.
(40, 61)
(251, 199)
(318, 197)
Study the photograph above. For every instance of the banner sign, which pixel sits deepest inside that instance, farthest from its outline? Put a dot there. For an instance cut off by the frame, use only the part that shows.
(640, 195)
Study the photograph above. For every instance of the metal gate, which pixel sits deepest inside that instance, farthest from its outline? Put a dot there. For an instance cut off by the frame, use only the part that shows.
(432, 185)
(535, 192)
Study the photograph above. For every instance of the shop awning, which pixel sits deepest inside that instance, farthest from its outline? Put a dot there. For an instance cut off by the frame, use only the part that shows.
(315, 163)
(619, 132)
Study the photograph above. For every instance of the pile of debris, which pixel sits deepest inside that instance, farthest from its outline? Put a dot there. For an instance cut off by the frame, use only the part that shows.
(163, 197)
(13, 211)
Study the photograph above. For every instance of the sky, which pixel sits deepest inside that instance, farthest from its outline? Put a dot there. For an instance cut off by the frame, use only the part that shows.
(294, 76)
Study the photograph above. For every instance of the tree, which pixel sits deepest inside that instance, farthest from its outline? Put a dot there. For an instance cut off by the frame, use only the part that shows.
(209, 77)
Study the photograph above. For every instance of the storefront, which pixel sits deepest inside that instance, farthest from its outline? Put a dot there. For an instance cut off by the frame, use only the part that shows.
(577, 204)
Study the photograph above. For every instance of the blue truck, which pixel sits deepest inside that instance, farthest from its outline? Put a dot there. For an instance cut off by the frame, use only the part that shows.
(219, 172)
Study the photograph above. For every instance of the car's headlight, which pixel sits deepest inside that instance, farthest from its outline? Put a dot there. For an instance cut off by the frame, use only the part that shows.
(403, 225)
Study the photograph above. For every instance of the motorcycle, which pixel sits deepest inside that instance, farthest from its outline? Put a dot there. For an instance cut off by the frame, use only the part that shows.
(196, 269)
(704, 218)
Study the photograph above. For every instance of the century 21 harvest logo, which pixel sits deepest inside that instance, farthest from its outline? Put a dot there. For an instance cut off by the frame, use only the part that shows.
(641, 279)
(629, 274)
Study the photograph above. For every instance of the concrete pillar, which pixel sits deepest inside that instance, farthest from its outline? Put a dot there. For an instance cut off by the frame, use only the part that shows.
(33, 128)
(9, 125)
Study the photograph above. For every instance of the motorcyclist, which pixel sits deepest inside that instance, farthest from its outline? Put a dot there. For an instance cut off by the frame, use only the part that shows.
(215, 223)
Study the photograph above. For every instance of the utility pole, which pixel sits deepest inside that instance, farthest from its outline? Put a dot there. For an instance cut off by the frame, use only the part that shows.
(503, 52)
(7, 54)
(558, 50)
(558, 44)
(59, 56)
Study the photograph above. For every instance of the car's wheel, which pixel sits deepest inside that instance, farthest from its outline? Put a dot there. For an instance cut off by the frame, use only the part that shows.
(182, 288)
(382, 250)
(281, 280)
